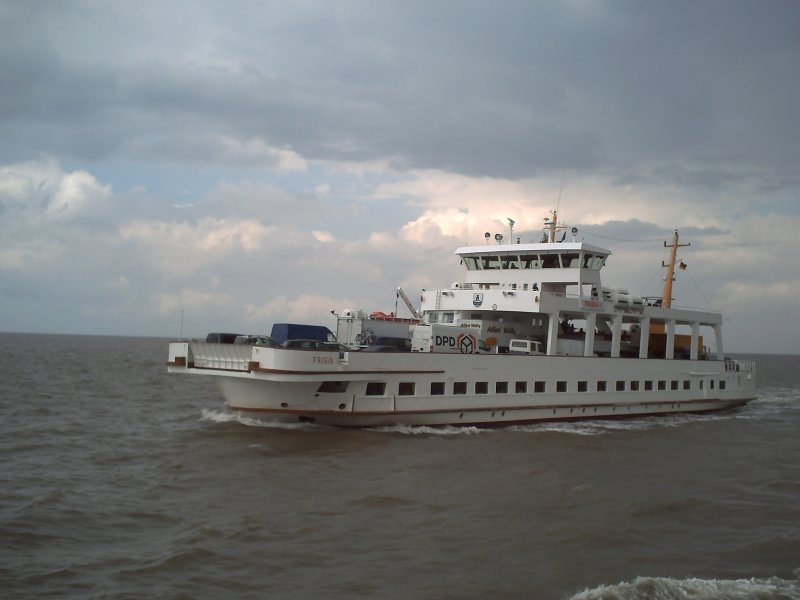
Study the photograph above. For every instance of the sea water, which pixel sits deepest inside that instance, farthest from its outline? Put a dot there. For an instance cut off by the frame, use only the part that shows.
(118, 481)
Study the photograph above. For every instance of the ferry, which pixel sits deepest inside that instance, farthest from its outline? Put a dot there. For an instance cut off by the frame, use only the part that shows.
(529, 334)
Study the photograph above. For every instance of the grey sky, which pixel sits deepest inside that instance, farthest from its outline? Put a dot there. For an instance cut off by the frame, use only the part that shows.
(220, 157)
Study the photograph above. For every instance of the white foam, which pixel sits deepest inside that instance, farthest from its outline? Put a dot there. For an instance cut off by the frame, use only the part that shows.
(425, 430)
(664, 588)
(222, 416)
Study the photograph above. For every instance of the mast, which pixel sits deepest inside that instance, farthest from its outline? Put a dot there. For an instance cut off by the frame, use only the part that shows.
(551, 226)
(666, 297)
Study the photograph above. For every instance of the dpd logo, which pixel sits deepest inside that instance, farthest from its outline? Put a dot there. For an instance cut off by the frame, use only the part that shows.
(466, 343)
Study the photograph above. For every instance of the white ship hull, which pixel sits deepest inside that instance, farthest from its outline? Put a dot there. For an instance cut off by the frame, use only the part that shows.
(375, 389)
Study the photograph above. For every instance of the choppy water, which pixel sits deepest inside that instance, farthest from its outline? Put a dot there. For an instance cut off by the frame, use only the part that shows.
(120, 481)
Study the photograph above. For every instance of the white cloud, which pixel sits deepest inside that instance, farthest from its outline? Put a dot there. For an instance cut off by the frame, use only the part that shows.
(76, 192)
(323, 236)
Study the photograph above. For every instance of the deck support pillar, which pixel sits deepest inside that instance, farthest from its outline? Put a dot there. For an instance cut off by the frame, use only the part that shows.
(616, 335)
(644, 337)
(552, 333)
(591, 323)
(695, 340)
(669, 351)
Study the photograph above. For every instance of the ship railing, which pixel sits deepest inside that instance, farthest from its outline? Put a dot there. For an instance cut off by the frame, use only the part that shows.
(226, 357)
(748, 366)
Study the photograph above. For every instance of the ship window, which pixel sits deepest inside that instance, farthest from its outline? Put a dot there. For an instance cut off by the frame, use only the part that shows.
(501, 387)
(333, 387)
(539, 387)
(521, 387)
(437, 388)
(602, 386)
(448, 317)
(588, 260)
(529, 261)
(561, 386)
(634, 386)
(673, 385)
(481, 387)
(583, 386)
(662, 385)
(687, 385)
(491, 262)
(571, 260)
(459, 387)
(721, 385)
(648, 386)
(510, 262)
(525, 287)
(702, 384)
(475, 316)
(620, 386)
(433, 317)
(550, 261)
(406, 388)
(471, 262)
(712, 384)
(376, 388)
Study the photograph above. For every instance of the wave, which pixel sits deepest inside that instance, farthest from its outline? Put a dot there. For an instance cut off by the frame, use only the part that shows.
(426, 430)
(223, 416)
(664, 588)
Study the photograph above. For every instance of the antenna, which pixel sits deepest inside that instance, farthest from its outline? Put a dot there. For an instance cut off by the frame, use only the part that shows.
(511, 228)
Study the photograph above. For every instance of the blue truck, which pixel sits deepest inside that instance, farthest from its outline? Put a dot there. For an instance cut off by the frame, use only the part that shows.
(296, 331)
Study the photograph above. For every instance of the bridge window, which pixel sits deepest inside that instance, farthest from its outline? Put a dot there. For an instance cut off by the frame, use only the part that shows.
(492, 261)
(571, 260)
(529, 261)
(472, 263)
(550, 261)
(510, 261)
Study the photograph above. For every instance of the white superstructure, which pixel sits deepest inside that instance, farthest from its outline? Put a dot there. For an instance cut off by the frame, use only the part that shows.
(530, 334)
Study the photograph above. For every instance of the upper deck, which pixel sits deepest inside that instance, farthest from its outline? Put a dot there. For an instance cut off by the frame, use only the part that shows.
(554, 262)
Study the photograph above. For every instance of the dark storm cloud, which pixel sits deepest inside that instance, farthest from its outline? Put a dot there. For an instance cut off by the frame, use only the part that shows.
(697, 92)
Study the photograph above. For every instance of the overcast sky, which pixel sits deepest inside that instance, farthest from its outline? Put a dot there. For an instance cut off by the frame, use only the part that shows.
(255, 162)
